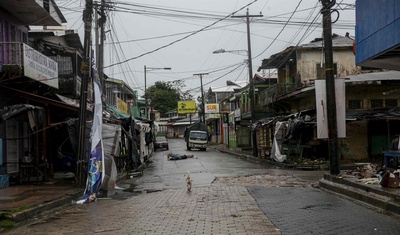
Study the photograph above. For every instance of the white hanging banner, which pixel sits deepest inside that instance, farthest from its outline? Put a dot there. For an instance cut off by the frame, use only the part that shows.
(96, 169)
(322, 118)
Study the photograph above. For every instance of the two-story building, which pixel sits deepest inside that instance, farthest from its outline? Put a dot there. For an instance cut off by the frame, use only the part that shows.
(119, 97)
(294, 94)
(370, 104)
(218, 109)
(28, 81)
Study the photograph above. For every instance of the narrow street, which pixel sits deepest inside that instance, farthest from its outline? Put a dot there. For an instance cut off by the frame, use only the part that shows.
(229, 196)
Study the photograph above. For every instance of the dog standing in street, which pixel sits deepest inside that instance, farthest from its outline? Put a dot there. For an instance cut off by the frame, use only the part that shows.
(189, 182)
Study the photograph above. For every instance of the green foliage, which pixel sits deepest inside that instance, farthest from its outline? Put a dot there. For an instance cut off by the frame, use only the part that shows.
(164, 96)
(5, 217)
(19, 209)
(6, 223)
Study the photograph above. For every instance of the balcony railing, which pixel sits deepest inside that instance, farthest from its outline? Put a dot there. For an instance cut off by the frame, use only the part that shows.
(29, 62)
(269, 95)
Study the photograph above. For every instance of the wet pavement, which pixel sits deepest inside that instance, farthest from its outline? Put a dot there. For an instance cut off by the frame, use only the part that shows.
(206, 210)
(230, 196)
(299, 210)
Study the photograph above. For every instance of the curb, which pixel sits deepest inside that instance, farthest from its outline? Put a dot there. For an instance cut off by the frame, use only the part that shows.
(386, 201)
(273, 163)
(44, 208)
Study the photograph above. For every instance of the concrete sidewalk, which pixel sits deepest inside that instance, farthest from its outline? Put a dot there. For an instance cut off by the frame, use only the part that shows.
(204, 210)
(21, 202)
(385, 199)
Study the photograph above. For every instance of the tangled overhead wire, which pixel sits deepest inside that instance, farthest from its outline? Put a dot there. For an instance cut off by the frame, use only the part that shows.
(327, 5)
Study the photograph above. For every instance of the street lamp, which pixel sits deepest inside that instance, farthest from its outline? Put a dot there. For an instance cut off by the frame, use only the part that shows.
(230, 51)
(247, 16)
(251, 89)
(147, 102)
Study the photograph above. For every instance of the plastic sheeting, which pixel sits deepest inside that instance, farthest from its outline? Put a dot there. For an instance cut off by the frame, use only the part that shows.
(277, 143)
(111, 138)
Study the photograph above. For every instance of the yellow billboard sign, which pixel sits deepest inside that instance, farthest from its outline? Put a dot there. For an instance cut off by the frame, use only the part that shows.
(188, 106)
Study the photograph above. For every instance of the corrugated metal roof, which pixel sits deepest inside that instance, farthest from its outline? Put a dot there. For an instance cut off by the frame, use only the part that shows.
(377, 76)
(240, 84)
(337, 41)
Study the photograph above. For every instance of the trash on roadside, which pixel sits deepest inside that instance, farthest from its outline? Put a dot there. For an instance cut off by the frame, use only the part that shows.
(389, 179)
(361, 172)
(367, 173)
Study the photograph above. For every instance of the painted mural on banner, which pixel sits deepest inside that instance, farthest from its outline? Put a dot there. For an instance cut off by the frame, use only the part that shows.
(96, 159)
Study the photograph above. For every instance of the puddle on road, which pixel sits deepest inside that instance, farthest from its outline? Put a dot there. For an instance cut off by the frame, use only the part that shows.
(130, 192)
(137, 192)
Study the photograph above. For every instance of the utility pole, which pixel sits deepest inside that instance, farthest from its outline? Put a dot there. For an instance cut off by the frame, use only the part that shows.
(330, 87)
(251, 84)
(85, 73)
(100, 63)
(202, 95)
(99, 43)
(145, 94)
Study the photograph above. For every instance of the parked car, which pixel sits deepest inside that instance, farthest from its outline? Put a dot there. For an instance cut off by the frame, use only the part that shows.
(161, 143)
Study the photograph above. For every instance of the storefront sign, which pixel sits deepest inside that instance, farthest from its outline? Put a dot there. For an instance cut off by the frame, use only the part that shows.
(212, 108)
(40, 67)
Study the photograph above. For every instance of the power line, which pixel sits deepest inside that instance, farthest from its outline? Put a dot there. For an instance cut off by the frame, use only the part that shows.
(183, 38)
(280, 32)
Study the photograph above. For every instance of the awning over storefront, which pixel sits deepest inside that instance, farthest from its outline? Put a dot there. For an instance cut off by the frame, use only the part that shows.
(14, 110)
(42, 99)
(373, 114)
(182, 123)
(118, 114)
(74, 102)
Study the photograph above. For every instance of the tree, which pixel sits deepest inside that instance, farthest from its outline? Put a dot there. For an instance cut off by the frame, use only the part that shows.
(183, 95)
(164, 96)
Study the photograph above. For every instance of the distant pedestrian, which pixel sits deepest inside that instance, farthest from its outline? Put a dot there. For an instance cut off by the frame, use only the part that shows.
(395, 143)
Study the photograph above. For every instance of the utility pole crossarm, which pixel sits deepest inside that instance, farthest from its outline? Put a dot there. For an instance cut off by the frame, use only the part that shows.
(202, 94)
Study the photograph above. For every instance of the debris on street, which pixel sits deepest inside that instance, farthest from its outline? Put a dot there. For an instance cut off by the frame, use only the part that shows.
(263, 180)
(365, 171)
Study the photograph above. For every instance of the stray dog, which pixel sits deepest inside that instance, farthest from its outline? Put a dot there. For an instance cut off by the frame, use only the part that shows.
(189, 182)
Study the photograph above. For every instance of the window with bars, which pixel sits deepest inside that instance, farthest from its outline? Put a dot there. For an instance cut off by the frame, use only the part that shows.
(354, 104)
(321, 70)
(376, 103)
(391, 103)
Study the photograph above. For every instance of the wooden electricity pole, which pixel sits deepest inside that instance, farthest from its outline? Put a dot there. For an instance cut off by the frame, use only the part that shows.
(251, 84)
(330, 87)
(202, 95)
(85, 76)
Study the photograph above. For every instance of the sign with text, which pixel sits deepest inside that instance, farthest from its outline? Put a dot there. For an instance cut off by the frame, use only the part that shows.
(188, 106)
(212, 108)
(321, 106)
(40, 67)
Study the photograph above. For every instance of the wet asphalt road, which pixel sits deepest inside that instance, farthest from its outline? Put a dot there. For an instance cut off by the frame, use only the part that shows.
(230, 196)
(205, 167)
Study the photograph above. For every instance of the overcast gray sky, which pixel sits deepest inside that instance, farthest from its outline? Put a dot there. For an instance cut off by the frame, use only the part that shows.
(182, 34)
